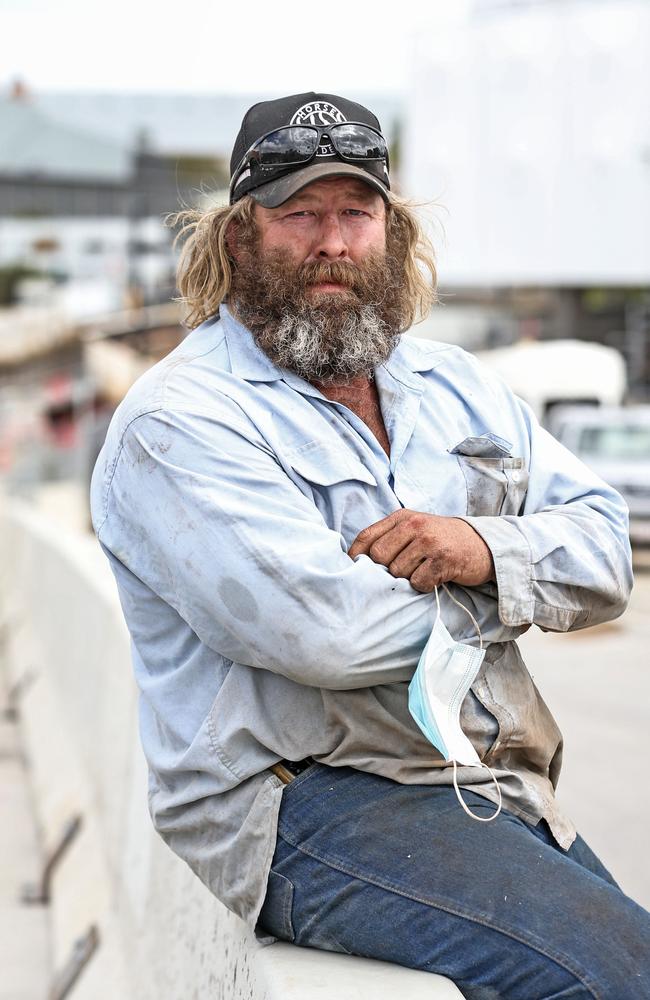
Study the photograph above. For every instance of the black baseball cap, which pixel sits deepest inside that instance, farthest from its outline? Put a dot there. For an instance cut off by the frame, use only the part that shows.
(276, 184)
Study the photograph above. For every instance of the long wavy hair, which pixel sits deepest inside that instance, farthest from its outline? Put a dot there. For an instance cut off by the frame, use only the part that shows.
(206, 264)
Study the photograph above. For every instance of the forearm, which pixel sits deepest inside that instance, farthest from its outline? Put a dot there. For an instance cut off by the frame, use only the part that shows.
(249, 564)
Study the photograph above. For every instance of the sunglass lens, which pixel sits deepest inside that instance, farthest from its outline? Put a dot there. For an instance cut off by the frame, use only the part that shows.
(356, 142)
(288, 145)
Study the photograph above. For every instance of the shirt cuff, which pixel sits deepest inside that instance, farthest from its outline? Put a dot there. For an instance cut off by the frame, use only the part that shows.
(513, 567)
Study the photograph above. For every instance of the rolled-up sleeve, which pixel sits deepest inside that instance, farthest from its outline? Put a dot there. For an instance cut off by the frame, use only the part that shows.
(564, 562)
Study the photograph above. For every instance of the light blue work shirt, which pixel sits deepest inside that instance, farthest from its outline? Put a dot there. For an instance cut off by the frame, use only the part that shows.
(226, 497)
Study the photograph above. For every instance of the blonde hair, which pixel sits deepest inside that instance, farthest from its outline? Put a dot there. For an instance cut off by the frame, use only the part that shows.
(206, 264)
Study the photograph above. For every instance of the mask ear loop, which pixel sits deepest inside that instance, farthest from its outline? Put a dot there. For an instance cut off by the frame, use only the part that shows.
(437, 602)
(466, 610)
(479, 819)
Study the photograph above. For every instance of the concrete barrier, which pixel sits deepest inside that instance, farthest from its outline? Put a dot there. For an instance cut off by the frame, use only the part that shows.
(128, 917)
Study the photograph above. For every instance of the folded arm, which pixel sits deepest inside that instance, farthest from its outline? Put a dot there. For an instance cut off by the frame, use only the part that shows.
(563, 562)
(201, 511)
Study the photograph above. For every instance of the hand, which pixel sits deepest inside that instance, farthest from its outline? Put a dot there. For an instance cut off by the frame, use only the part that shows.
(426, 549)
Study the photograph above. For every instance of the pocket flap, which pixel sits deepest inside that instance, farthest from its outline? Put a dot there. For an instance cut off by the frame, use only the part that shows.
(323, 466)
(486, 445)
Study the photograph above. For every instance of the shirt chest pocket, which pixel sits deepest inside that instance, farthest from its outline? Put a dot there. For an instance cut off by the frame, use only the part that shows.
(341, 487)
(496, 481)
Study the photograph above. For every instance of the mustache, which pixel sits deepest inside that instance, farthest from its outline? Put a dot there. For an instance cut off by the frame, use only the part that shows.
(337, 271)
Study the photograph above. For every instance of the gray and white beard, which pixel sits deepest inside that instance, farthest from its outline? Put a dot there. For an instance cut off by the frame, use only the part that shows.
(308, 345)
(321, 337)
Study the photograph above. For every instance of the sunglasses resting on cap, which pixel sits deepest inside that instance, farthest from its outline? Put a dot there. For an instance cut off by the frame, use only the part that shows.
(285, 144)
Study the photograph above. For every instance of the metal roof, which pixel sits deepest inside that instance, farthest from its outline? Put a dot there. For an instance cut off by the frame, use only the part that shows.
(201, 124)
(33, 143)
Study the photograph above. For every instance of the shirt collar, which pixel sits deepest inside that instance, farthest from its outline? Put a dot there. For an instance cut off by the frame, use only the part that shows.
(249, 361)
(410, 357)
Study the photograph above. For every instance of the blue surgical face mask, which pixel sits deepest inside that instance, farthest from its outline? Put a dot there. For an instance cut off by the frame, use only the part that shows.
(446, 671)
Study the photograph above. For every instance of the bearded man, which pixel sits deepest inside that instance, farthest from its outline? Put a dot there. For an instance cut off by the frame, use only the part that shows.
(296, 503)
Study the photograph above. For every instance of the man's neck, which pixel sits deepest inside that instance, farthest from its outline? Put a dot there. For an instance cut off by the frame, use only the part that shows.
(359, 395)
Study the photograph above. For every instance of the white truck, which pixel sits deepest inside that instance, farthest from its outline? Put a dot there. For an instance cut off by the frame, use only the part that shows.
(552, 373)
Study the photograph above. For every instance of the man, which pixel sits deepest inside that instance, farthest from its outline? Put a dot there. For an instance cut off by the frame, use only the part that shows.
(286, 502)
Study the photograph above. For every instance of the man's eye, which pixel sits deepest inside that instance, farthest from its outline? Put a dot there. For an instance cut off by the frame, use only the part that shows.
(300, 215)
(355, 212)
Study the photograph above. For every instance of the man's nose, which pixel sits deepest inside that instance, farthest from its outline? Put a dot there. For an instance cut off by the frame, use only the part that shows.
(330, 242)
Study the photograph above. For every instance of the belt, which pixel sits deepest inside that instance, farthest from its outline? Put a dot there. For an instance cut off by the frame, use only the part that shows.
(287, 770)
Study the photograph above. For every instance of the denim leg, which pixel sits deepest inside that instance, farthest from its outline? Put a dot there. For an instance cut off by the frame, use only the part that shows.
(366, 866)
(580, 852)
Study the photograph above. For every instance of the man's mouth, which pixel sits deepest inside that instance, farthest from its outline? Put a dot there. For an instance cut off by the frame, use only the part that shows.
(328, 286)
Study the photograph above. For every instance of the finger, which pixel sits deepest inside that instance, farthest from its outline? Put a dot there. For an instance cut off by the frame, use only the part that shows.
(428, 575)
(388, 548)
(407, 560)
(363, 541)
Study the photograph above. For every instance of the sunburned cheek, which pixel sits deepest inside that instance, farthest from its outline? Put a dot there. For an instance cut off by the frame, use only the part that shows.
(366, 242)
(292, 243)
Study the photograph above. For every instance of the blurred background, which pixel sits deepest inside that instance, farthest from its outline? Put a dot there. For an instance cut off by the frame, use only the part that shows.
(522, 130)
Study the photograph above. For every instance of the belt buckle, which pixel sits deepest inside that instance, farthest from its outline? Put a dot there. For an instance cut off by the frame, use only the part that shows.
(287, 770)
(282, 773)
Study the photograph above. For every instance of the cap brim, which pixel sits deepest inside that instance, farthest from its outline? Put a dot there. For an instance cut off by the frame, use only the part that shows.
(275, 193)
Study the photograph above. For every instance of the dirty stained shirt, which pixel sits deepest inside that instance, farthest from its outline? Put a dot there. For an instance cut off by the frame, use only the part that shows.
(225, 498)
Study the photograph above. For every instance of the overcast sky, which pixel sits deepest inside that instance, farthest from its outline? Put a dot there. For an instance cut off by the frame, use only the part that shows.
(196, 45)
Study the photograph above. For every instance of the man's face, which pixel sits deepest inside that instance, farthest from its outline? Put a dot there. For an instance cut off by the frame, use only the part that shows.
(319, 283)
(337, 219)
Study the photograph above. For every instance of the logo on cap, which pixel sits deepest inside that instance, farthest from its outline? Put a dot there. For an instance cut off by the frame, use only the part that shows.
(319, 113)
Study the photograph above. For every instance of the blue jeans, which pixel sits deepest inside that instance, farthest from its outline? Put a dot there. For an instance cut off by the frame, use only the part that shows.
(366, 866)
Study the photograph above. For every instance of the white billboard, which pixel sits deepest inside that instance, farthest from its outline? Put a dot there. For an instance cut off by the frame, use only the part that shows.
(529, 126)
